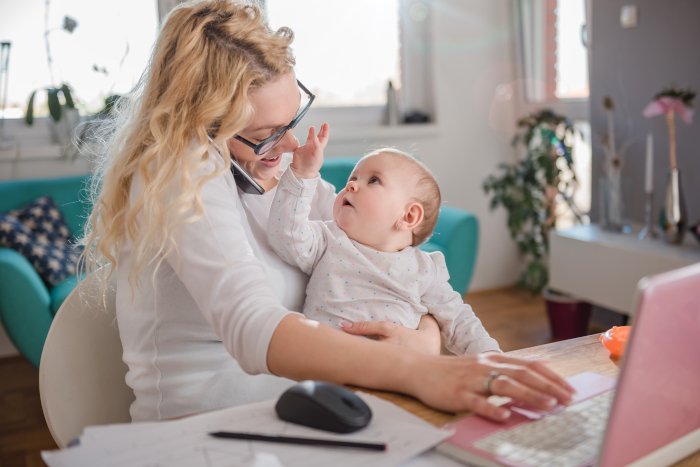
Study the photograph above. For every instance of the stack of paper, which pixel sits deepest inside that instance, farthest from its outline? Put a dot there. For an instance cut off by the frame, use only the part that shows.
(186, 442)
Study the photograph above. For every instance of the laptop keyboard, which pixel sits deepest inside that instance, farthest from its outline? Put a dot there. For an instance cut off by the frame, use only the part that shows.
(569, 438)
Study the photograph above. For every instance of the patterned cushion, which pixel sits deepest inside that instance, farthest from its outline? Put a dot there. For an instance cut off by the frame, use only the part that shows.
(39, 232)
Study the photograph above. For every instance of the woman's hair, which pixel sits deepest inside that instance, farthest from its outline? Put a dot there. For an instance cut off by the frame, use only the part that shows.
(427, 193)
(208, 57)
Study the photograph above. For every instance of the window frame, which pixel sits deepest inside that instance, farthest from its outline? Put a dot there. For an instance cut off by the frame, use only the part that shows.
(577, 109)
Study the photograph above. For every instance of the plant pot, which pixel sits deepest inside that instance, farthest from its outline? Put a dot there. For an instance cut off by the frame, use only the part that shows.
(62, 131)
(568, 317)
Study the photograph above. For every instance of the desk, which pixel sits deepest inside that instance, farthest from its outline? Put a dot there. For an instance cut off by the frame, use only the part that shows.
(604, 267)
(565, 357)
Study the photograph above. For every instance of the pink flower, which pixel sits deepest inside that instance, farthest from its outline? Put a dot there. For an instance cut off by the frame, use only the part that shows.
(663, 105)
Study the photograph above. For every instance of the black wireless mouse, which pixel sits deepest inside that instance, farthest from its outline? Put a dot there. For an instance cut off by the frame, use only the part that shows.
(324, 406)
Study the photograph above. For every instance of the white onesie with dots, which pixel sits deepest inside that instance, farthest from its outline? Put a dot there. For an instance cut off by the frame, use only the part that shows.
(353, 282)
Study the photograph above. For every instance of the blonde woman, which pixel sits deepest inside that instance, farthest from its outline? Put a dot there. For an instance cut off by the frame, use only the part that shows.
(198, 304)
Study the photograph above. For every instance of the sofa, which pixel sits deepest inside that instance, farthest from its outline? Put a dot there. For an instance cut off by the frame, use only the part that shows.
(27, 304)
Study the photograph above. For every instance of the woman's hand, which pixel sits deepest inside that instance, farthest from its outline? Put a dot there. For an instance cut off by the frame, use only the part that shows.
(308, 158)
(425, 339)
(465, 383)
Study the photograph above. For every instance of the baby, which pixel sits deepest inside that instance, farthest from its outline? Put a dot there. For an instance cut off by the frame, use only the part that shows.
(365, 264)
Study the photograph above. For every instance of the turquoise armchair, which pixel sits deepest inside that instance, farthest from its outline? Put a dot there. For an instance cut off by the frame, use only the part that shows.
(27, 306)
(456, 234)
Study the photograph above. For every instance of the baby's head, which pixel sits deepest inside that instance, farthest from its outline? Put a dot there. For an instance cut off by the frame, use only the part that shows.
(391, 201)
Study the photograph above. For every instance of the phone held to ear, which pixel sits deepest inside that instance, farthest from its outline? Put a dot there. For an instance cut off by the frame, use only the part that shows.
(243, 179)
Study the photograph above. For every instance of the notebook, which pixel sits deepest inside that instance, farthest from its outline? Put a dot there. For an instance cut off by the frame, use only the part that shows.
(652, 416)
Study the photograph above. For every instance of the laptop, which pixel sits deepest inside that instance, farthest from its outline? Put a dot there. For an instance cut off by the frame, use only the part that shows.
(651, 417)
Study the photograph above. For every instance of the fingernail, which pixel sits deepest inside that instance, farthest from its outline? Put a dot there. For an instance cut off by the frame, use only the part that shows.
(346, 324)
(503, 414)
(550, 402)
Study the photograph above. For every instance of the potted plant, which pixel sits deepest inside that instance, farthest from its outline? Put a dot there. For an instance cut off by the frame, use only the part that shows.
(537, 191)
(60, 101)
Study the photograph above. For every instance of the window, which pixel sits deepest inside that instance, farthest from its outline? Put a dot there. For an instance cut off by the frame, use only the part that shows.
(349, 55)
(554, 68)
(554, 54)
(106, 53)
(346, 51)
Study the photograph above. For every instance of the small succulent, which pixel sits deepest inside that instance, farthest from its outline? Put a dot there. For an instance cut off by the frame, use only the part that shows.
(58, 96)
(54, 100)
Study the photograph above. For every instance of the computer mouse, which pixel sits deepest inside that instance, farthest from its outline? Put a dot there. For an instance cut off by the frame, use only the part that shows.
(325, 406)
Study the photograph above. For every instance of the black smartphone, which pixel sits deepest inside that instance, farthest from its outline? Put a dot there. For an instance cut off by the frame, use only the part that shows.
(243, 179)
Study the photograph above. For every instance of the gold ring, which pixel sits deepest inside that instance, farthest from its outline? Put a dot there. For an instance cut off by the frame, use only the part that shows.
(489, 380)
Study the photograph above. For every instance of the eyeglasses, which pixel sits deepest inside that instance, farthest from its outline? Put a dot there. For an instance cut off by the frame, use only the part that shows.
(268, 143)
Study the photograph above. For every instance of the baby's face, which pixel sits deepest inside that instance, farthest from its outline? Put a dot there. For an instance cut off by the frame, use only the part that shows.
(375, 198)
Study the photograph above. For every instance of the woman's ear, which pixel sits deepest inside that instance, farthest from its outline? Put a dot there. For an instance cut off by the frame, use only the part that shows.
(412, 217)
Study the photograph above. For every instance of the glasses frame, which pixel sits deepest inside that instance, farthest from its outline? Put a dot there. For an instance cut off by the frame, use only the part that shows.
(279, 134)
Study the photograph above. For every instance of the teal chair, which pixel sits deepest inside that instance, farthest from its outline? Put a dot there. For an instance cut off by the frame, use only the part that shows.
(456, 233)
(27, 305)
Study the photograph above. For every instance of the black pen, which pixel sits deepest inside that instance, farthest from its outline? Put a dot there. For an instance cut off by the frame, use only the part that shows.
(297, 440)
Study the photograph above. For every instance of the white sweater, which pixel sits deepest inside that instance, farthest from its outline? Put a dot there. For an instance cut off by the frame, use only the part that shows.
(204, 319)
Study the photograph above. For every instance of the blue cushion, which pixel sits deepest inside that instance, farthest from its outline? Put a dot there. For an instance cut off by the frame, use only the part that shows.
(39, 232)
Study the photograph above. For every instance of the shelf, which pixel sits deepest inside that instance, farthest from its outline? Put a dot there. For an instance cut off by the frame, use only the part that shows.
(604, 267)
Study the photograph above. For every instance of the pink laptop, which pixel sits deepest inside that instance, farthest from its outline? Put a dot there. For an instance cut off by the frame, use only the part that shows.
(651, 418)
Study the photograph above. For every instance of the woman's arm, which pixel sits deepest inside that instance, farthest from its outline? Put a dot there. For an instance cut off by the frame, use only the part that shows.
(303, 349)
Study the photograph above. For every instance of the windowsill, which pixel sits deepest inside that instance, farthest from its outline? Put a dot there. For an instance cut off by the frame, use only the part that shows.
(355, 133)
(24, 151)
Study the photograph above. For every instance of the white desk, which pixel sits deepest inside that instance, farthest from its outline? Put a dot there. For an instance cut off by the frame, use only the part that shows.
(604, 267)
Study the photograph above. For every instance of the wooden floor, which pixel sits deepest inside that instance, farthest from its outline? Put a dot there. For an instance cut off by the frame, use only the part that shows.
(515, 318)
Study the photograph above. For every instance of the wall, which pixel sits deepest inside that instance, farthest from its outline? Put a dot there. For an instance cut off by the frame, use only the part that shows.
(631, 65)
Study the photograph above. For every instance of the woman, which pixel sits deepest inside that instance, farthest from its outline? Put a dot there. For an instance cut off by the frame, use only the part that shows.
(197, 301)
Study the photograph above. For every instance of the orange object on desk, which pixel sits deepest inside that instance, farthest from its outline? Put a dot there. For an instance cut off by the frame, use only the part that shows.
(615, 340)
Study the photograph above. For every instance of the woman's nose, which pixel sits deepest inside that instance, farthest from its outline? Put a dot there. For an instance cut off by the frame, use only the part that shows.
(289, 142)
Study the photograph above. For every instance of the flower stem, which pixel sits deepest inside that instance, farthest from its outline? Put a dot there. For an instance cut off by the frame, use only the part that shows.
(49, 60)
(671, 123)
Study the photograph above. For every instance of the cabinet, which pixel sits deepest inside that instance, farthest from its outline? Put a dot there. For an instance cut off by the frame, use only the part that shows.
(603, 267)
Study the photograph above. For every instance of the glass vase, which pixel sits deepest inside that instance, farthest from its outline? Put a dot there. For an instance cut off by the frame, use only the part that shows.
(673, 215)
(611, 202)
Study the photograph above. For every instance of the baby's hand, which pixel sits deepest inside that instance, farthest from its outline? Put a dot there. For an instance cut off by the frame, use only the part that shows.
(308, 158)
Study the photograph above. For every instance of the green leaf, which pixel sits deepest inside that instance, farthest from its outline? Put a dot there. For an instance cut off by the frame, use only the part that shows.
(54, 104)
(67, 96)
(29, 114)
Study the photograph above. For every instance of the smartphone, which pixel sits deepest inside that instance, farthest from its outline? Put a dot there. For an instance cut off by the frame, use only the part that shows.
(243, 179)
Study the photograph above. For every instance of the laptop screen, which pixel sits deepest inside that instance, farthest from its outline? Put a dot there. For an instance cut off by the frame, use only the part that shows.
(658, 394)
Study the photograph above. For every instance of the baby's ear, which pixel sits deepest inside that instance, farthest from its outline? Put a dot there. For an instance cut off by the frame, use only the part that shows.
(412, 217)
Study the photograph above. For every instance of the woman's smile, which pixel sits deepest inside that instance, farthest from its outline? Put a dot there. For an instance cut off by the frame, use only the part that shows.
(271, 161)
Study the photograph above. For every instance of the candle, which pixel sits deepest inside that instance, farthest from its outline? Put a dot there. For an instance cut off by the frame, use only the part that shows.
(611, 135)
(649, 174)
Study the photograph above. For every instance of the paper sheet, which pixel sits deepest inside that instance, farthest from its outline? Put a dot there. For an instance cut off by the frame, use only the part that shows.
(185, 442)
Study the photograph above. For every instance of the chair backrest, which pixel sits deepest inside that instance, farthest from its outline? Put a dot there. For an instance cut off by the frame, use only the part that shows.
(82, 375)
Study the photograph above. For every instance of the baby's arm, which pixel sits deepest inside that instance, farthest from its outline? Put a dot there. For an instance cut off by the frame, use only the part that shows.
(296, 239)
(462, 331)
